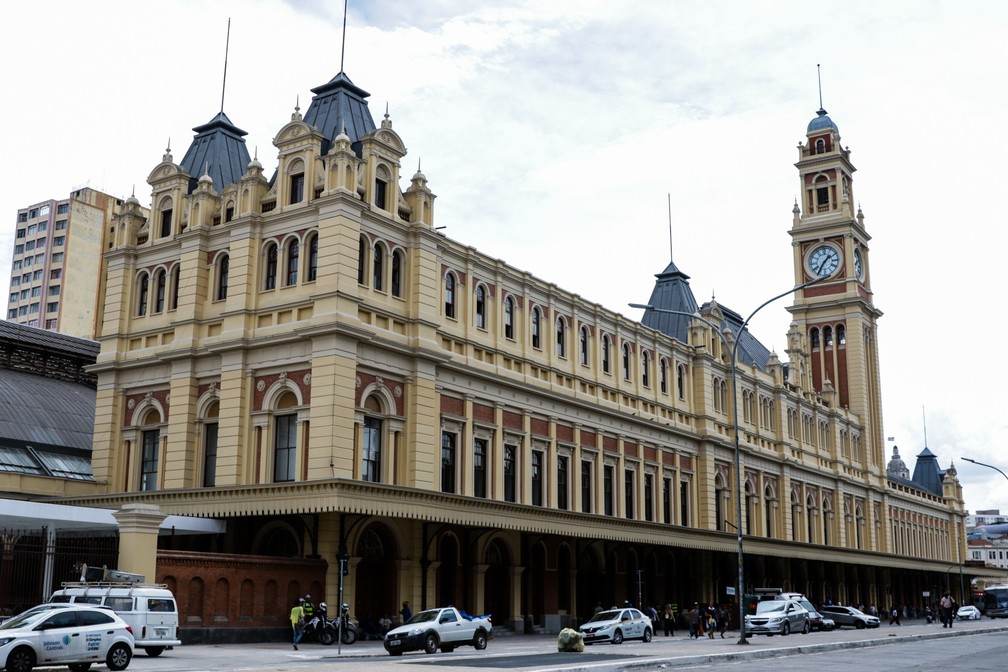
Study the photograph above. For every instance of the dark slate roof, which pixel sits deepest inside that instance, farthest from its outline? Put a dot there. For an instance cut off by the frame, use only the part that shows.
(49, 340)
(337, 105)
(821, 122)
(671, 292)
(219, 148)
(45, 412)
(926, 474)
(751, 351)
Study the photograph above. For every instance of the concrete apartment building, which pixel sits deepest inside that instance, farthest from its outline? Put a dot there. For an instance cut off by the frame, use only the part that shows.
(56, 281)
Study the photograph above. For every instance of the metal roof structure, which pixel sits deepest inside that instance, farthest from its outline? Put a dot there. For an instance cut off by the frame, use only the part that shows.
(821, 122)
(49, 340)
(927, 475)
(219, 150)
(339, 105)
(16, 514)
(671, 292)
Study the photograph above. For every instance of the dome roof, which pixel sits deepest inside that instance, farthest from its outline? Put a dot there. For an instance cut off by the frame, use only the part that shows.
(822, 122)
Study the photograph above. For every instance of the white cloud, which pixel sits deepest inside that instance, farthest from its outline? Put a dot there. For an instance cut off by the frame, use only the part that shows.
(561, 126)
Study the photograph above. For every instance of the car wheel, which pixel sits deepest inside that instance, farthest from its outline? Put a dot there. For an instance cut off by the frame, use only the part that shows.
(859, 625)
(805, 628)
(617, 637)
(480, 640)
(154, 651)
(395, 653)
(118, 657)
(430, 643)
(79, 667)
(647, 635)
(785, 629)
(20, 659)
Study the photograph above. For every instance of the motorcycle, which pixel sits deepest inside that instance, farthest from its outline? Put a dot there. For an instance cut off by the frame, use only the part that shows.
(320, 627)
(346, 625)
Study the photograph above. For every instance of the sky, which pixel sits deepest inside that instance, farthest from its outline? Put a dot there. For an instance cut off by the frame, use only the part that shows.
(552, 132)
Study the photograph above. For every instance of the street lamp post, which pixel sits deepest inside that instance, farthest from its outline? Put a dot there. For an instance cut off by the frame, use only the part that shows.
(733, 363)
(989, 466)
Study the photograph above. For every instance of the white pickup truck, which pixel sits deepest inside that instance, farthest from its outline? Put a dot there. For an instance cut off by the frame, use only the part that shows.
(442, 628)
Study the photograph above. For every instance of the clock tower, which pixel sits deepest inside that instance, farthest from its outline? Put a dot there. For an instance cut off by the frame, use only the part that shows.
(836, 317)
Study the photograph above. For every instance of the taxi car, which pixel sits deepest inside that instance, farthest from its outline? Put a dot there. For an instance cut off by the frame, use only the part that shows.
(65, 635)
(616, 625)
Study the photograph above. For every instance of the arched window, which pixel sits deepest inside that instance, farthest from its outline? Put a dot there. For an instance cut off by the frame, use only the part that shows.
(269, 279)
(313, 258)
(143, 286)
(173, 301)
(626, 361)
(509, 317)
(768, 506)
(536, 328)
(381, 188)
(681, 381)
(820, 146)
(397, 271)
(222, 277)
(814, 338)
(663, 375)
(841, 335)
(371, 455)
(606, 353)
(159, 291)
(378, 268)
(285, 439)
(481, 321)
(362, 259)
(293, 262)
(449, 295)
(166, 216)
(229, 211)
(561, 337)
(827, 337)
(646, 368)
(296, 171)
(584, 345)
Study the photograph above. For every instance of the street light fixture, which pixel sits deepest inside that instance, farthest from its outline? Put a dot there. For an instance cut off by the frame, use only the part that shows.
(740, 594)
(989, 466)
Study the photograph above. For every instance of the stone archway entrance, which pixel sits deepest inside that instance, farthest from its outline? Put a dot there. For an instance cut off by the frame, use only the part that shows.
(448, 575)
(497, 583)
(375, 579)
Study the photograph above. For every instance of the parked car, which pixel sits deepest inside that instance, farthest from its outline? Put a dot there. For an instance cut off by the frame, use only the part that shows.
(850, 616)
(65, 635)
(968, 613)
(616, 625)
(778, 617)
(816, 619)
(443, 628)
(148, 608)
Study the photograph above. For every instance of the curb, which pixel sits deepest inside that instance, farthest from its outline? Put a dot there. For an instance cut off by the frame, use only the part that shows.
(713, 658)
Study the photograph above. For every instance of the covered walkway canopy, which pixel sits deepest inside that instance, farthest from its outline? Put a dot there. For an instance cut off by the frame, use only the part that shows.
(16, 514)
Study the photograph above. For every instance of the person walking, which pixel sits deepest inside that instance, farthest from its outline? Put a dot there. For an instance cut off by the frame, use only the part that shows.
(894, 616)
(694, 622)
(668, 620)
(944, 608)
(406, 613)
(711, 622)
(722, 621)
(297, 617)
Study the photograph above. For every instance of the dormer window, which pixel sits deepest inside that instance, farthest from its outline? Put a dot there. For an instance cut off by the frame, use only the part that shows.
(229, 212)
(166, 217)
(381, 188)
(820, 146)
(296, 188)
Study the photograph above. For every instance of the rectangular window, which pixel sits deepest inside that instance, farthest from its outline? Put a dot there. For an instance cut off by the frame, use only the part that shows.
(296, 188)
(40, 244)
(285, 448)
(586, 486)
(607, 489)
(628, 493)
(22, 216)
(30, 245)
(11, 313)
(209, 454)
(149, 460)
(55, 273)
(29, 231)
(510, 472)
(62, 208)
(684, 518)
(19, 249)
(562, 462)
(58, 241)
(822, 196)
(166, 223)
(33, 308)
(448, 462)
(36, 275)
(667, 500)
(371, 453)
(537, 478)
(648, 497)
(479, 467)
(43, 227)
(54, 290)
(52, 307)
(60, 225)
(58, 257)
(380, 188)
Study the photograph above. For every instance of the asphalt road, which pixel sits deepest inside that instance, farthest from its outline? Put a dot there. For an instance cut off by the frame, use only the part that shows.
(976, 653)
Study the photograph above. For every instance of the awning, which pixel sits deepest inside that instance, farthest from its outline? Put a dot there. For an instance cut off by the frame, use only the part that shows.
(16, 514)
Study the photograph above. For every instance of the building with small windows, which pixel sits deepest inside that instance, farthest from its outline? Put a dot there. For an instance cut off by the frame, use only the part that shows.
(300, 352)
(57, 281)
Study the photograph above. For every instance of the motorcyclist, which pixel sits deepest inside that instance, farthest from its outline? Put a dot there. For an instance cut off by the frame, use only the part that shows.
(309, 607)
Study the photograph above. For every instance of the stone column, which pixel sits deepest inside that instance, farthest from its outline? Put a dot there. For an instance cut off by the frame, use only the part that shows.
(333, 403)
(524, 468)
(138, 532)
(478, 593)
(574, 473)
(465, 451)
(496, 459)
(550, 496)
(517, 608)
(619, 483)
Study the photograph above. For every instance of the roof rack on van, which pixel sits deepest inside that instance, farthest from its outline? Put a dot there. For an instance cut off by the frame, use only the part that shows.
(110, 584)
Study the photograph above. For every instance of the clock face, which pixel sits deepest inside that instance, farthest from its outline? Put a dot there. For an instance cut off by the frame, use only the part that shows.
(858, 265)
(823, 261)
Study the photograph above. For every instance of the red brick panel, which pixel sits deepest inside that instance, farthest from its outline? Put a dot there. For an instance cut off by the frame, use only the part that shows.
(301, 378)
(540, 427)
(650, 454)
(564, 433)
(452, 405)
(630, 449)
(393, 386)
(135, 399)
(609, 445)
(686, 462)
(483, 413)
(588, 438)
(513, 420)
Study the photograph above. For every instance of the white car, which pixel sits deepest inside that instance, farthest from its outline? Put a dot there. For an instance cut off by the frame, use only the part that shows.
(616, 625)
(968, 613)
(65, 635)
(443, 628)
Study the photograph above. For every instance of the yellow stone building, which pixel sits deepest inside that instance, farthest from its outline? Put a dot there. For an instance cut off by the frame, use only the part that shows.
(306, 356)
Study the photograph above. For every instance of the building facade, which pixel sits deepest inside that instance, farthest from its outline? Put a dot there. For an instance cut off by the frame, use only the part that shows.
(990, 552)
(305, 355)
(57, 281)
(985, 517)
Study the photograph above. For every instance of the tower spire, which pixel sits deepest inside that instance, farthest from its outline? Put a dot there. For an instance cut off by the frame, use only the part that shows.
(342, 50)
(924, 421)
(227, 46)
(819, 78)
(669, 194)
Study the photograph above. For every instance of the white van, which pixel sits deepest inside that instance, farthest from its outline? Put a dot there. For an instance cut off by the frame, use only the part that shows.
(148, 608)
